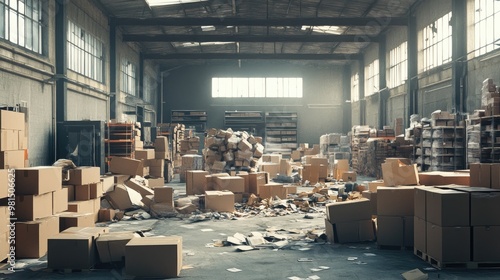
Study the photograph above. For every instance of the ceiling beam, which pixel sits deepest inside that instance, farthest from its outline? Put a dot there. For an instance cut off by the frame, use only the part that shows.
(244, 38)
(234, 21)
(266, 56)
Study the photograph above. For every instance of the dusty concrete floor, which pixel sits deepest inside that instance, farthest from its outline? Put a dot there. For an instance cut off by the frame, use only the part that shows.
(202, 262)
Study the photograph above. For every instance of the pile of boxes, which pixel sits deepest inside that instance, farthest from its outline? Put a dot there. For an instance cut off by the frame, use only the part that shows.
(304, 150)
(485, 175)
(315, 169)
(225, 149)
(190, 145)
(490, 98)
(360, 135)
(13, 140)
(190, 162)
(335, 146)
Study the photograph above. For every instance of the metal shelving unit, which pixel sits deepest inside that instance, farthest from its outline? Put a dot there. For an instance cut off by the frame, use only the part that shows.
(281, 132)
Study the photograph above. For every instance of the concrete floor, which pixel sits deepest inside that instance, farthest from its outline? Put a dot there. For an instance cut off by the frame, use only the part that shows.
(202, 262)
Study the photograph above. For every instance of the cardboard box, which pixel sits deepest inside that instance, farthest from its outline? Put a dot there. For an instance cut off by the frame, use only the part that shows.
(447, 208)
(12, 159)
(318, 161)
(126, 166)
(480, 175)
(373, 185)
(195, 182)
(4, 183)
(107, 183)
(83, 206)
(285, 167)
(164, 195)
(111, 246)
(106, 215)
(120, 179)
(145, 154)
(154, 256)
(11, 120)
(395, 231)
(38, 180)
(31, 237)
(272, 168)
(148, 200)
(93, 231)
(71, 192)
(71, 251)
(87, 192)
(9, 140)
(69, 219)
(439, 178)
(420, 202)
(350, 210)
(271, 190)
(121, 199)
(395, 201)
(161, 143)
(273, 158)
(296, 155)
(59, 201)
(420, 234)
(484, 206)
(339, 167)
(399, 172)
(32, 207)
(448, 244)
(246, 178)
(485, 244)
(234, 184)
(372, 196)
(349, 176)
(415, 274)
(156, 182)
(255, 180)
(84, 175)
(138, 187)
(220, 201)
(354, 231)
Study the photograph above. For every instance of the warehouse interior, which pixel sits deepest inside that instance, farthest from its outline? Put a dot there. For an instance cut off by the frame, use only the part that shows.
(222, 139)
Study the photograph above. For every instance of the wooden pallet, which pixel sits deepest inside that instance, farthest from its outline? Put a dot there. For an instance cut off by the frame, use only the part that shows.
(421, 254)
(463, 265)
(394, 247)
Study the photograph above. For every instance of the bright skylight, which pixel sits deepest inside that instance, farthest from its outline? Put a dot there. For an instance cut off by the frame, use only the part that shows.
(190, 44)
(153, 3)
(335, 30)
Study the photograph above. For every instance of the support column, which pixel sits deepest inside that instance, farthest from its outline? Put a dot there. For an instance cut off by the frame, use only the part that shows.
(346, 95)
(361, 82)
(141, 75)
(61, 60)
(383, 92)
(412, 82)
(459, 54)
(112, 70)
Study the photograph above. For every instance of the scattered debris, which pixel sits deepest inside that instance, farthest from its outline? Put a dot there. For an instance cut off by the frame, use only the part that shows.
(415, 274)
(234, 269)
(304, 260)
(352, 258)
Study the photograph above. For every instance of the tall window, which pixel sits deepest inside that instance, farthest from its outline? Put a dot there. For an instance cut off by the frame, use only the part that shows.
(487, 26)
(371, 78)
(355, 87)
(398, 65)
(437, 42)
(129, 78)
(21, 23)
(85, 53)
(257, 87)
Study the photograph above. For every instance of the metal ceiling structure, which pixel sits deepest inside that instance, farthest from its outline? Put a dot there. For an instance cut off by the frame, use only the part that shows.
(204, 31)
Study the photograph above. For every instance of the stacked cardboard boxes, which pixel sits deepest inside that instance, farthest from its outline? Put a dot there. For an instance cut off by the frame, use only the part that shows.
(360, 135)
(485, 175)
(190, 162)
(395, 216)
(399, 172)
(39, 199)
(190, 145)
(13, 140)
(349, 221)
(490, 98)
(315, 169)
(85, 190)
(4, 214)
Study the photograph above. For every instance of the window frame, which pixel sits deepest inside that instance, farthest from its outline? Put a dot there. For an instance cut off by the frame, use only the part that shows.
(398, 65)
(372, 78)
(486, 32)
(437, 44)
(129, 79)
(355, 87)
(257, 87)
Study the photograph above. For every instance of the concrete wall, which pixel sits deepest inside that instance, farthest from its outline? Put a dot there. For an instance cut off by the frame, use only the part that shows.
(371, 96)
(396, 103)
(189, 88)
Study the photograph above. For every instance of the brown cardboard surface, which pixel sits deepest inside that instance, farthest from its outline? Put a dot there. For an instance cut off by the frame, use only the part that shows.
(38, 180)
(475, 174)
(330, 235)
(436, 178)
(390, 231)
(4, 244)
(111, 246)
(144, 154)
(486, 244)
(354, 231)
(154, 256)
(138, 187)
(156, 182)
(69, 219)
(71, 251)
(349, 176)
(274, 158)
(126, 166)
(446, 207)
(84, 175)
(9, 140)
(119, 198)
(93, 231)
(71, 192)
(420, 234)
(372, 196)
(272, 168)
(31, 237)
(32, 207)
(161, 143)
(420, 202)
(4, 183)
(221, 201)
(59, 201)
(82, 193)
(106, 215)
(449, 244)
(120, 179)
(257, 179)
(319, 161)
(246, 178)
(395, 201)
(398, 172)
(107, 183)
(271, 190)
(84, 206)
(148, 200)
(373, 185)
(12, 159)
(234, 184)
(11, 120)
(164, 195)
(485, 208)
(285, 167)
(351, 210)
